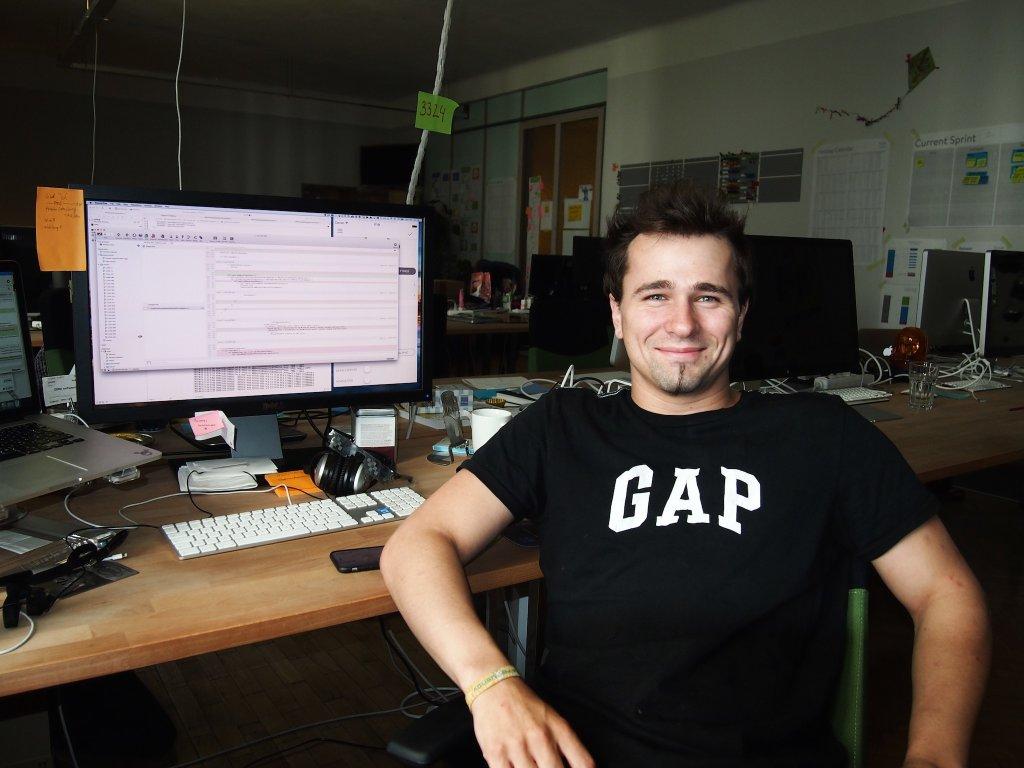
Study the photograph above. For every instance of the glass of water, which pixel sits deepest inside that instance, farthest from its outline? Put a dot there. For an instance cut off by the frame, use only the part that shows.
(922, 385)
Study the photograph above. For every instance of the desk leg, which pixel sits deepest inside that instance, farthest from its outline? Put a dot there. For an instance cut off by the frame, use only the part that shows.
(519, 603)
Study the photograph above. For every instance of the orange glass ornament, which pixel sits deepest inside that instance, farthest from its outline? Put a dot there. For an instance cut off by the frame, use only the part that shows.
(911, 344)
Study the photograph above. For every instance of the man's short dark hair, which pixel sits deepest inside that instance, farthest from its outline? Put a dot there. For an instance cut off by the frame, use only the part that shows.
(684, 209)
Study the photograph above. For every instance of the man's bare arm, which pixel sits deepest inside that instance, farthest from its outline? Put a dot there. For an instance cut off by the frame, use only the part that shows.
(952, 643)
(422, 566)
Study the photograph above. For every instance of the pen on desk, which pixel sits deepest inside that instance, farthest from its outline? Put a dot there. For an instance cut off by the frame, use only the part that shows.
(1017, 408)
(115, 556)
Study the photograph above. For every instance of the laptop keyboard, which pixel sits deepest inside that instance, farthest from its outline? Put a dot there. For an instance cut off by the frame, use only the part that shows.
(27, 438)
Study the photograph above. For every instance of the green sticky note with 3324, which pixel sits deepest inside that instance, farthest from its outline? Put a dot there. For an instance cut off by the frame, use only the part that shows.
(435, 113)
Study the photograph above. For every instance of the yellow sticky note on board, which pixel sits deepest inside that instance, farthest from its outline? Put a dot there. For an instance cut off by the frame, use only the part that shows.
(60, 229)
(435, 113)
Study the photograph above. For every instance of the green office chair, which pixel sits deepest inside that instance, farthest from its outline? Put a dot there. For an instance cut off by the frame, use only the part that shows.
(848, 709)
(447, 732)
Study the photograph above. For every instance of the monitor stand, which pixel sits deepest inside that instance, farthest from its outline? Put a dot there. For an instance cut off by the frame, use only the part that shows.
(285, 434)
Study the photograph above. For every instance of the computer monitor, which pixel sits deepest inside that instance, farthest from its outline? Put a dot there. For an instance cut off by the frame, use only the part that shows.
(18, 244)
(802, 319)
(570, 313)
(947, 279)
(251, 305)
(1004, 304)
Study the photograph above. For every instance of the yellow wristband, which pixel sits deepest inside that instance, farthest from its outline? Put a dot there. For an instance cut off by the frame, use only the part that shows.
(491, 680)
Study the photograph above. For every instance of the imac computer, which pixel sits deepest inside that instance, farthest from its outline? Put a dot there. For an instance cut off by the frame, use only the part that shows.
(950, 282)
(802, 319)
(250, 305)
(1003, 326)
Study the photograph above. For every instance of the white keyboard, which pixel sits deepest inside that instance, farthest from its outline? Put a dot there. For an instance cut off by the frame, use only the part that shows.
(241, 530)
(857, 395)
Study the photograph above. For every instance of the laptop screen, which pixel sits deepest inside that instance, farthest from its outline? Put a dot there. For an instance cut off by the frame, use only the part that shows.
(15, 384)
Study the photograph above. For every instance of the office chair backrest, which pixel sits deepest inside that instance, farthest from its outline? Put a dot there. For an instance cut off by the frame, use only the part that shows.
(848, 708)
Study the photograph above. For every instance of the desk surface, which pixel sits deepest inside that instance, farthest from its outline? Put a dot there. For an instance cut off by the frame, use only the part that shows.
(175, 609)
(461, 328)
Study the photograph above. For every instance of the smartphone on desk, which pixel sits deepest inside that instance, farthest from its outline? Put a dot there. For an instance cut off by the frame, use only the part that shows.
(355, 560)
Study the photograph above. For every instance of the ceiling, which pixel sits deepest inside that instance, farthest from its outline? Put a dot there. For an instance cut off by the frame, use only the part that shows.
(371, 50)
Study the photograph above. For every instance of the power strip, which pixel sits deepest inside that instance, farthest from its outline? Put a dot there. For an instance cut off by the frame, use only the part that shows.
(838, 381)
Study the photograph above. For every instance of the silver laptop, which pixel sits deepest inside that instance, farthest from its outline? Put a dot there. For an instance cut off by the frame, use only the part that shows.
(41, 453)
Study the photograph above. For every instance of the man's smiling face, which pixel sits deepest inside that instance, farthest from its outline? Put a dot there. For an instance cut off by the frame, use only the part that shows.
(679, 317)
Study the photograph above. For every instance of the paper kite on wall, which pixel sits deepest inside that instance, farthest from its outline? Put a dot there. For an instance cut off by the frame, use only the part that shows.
(919, 66)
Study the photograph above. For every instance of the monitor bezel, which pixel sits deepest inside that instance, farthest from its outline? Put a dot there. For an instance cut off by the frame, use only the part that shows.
(260, 404)
(30, 405)
(989, 349)
(846, 355)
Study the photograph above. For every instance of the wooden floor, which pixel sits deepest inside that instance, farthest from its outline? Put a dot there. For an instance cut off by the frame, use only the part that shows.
(221, 700)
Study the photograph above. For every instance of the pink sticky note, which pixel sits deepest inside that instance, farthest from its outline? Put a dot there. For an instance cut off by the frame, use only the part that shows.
(205, 422)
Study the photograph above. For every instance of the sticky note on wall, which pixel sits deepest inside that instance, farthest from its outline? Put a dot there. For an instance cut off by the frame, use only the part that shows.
(60, 229)
(435, 113)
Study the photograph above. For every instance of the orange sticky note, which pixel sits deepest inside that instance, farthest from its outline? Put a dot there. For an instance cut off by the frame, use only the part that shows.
(295, 480)
(60, 229)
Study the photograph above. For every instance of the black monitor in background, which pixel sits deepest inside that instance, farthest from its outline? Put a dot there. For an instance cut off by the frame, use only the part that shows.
(386, 165)
(803, 316)
(251, 305)
(19, 244)
(570, 314)
(948, 280)
(1004, 307)
(585, 246)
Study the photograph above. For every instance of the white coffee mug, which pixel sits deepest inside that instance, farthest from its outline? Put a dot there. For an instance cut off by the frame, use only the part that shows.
(485, 422)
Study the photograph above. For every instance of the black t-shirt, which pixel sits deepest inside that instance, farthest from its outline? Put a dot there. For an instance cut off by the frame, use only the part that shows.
(697, 567)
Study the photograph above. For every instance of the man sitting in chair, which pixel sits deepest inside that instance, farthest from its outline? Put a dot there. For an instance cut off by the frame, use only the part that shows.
(696, 544)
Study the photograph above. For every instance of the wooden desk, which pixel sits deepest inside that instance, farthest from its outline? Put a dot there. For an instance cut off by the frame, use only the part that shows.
(175, 609)
(471, 346)
(958, 436)
(460, 328)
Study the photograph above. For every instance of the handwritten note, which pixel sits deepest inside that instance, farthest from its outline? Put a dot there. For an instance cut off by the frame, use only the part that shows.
(435, 113)
(60, 229)
(206, 422)
(207, 425)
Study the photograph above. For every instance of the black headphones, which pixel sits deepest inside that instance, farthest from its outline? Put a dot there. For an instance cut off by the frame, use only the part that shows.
(343, 468)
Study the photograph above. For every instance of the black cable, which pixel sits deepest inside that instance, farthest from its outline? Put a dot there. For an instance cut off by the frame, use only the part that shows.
(308, 743)
(67, 588)
(288, 732)
(320, 434)
(413, 676)
(188, 489)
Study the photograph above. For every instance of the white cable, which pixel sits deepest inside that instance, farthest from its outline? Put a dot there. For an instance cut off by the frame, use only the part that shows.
(438, 76)
(123, 516)
(780, 386)
(67, 736)
(406, 706)
(95, 68)
(177, 76)
(83, 520)
(70, 415)
(25, 639)
(568, 380)
(878, 362)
